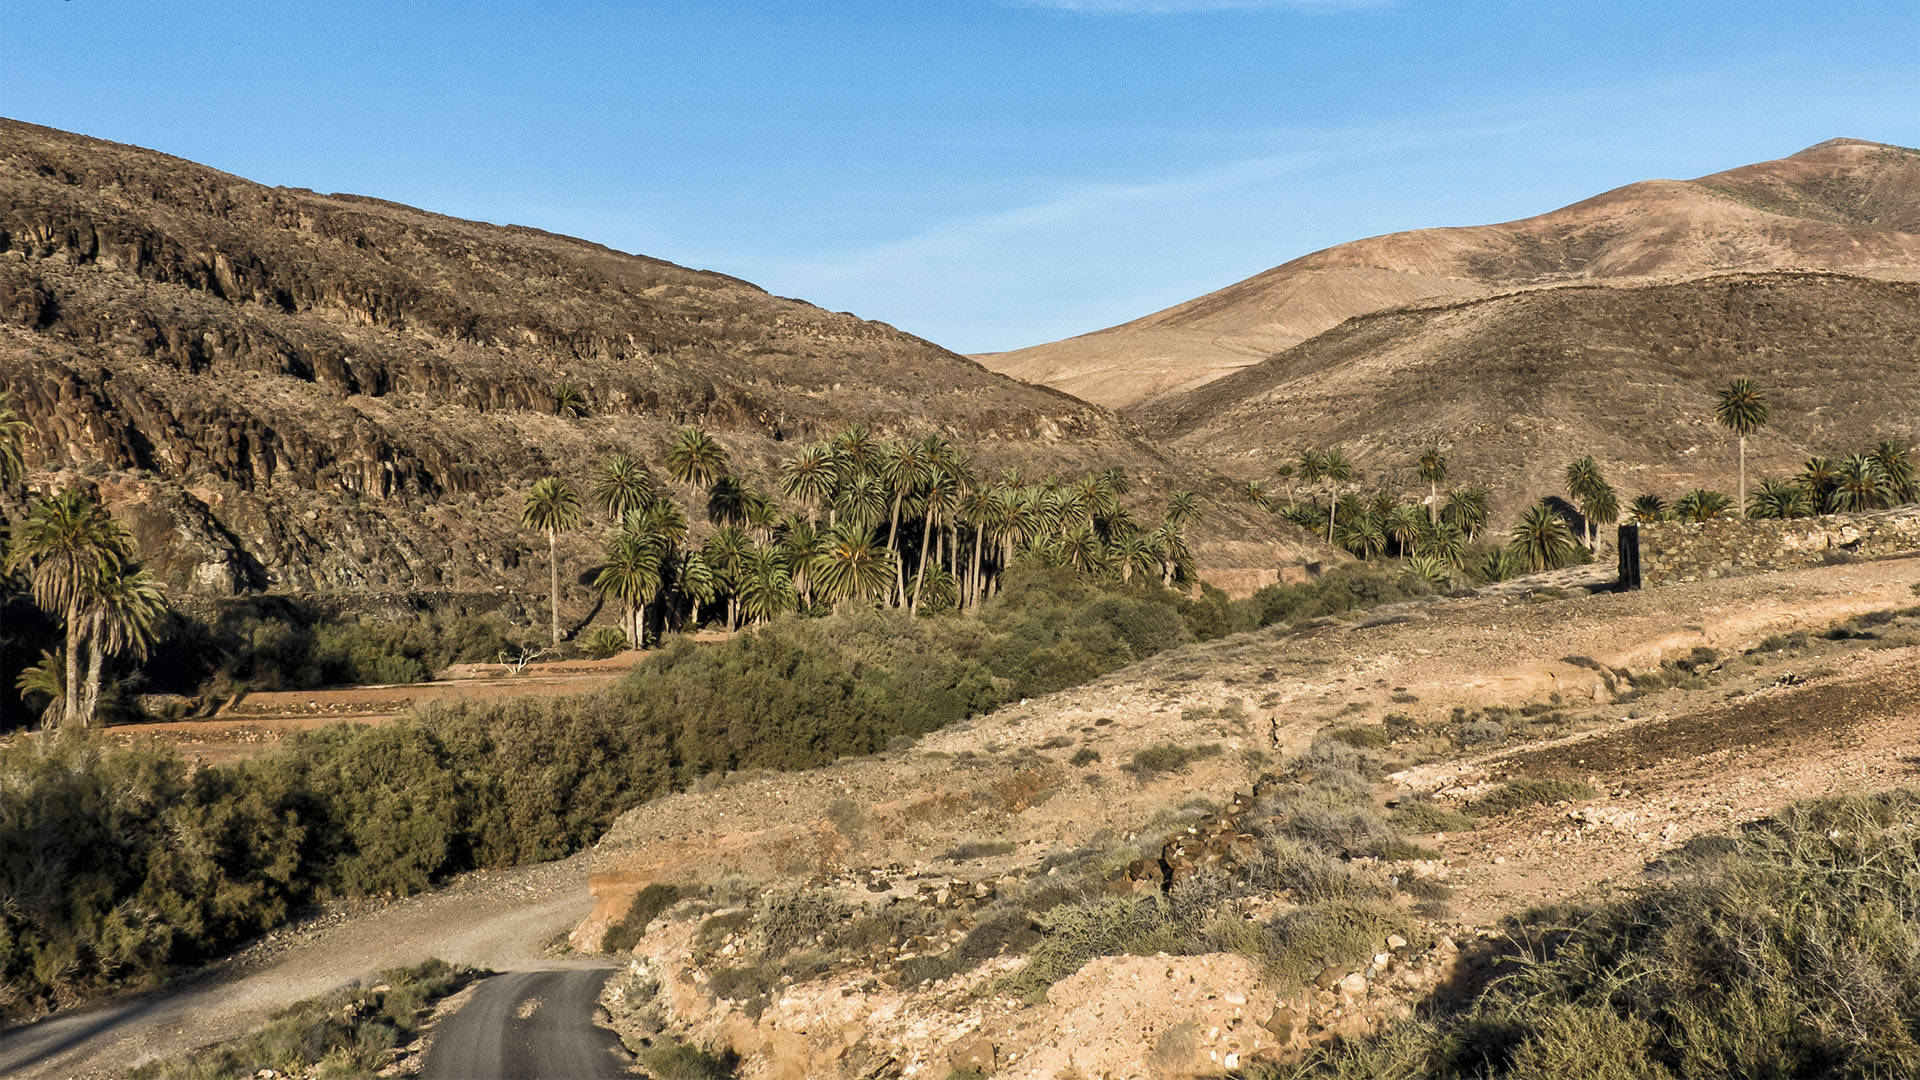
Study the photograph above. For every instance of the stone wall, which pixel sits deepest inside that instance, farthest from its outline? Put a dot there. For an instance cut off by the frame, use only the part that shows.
(1725, 547)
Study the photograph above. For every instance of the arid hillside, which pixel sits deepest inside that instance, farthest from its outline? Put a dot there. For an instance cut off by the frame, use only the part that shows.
(1515, 386)
(1844, 205)
(277, 388)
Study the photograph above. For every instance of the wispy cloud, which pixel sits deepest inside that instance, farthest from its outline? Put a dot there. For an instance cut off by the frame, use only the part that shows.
(1188, 7)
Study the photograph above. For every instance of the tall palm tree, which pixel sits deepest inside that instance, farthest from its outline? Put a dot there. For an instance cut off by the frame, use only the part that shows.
(1081, 549)
(552, 505)
(939, 499)
(13, 436)
(124, 609)
(861, 501)
(1183, 507)
(622, 485)
(632, 576)
(69, 546)
(766, 586)
(1468, 507)
(902, 465)
(1170, 547)
(1541, 540)
(853, 566)
(855, 449)
(809, 476)
(1404, 525)
(1338, 470)
(727, 501)
(726, 552)
(1433, 469)
(695, 459)
(1600, 507)
(697, 582)
(1743, 410)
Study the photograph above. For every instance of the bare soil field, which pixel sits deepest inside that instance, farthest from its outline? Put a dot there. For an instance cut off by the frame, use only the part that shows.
(252, 723)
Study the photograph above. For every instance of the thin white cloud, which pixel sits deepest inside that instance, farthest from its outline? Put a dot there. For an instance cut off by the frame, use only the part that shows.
(1189, 7)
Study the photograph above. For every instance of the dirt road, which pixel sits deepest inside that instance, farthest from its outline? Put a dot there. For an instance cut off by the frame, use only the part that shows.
(500, 921)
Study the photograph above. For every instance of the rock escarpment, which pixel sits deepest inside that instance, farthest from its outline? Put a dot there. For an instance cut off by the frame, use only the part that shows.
(282, 389)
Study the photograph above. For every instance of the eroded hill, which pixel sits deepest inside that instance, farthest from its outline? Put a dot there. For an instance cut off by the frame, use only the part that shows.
(1516, 386)
(1844, 205)
(277, 388)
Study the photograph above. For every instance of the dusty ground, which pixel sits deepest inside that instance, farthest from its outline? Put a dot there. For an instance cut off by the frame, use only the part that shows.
(1670, 764)
(256, 722)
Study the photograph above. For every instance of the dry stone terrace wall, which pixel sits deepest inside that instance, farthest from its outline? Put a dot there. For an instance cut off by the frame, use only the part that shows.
(1673, 551)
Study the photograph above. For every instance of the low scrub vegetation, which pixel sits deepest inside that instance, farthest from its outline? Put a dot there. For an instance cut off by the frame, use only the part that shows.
(124, 864)
(1784, 950)
(348, 1033)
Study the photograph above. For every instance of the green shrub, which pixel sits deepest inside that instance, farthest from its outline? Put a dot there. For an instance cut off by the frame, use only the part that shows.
(1421, 816)
(1083, 757)
(666, 1060)
(1166, 757)
(605, 642)
(1784, 950)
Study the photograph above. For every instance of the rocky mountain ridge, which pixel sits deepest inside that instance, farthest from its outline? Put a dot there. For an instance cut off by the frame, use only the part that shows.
(282, 389)
(1845, 205)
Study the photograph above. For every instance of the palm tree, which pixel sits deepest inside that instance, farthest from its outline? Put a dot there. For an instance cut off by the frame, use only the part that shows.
(1896, 462)
(1446, 542)
(1860, 484)
(1364, 535)
(854, 449)
(853, 566)
(697, 582)
(902, 465)
(1338, 470)
(939, 498)
(1467, 507)
(554, 506)
(631, 575)
(1433, 469)
(1585, 483)
(727, 501)
(1170, 546)
(1818, 475)
(45, 680)
(726, 552)
(766, 587)
(1648, 508)
(1600, 507)
(124, 607)
(1081, 549)
(1404, 525)
(13, 435)
(69, 547)
(694, 459)
(1779, 499)
(1542, 541)
(1256, 493)
(1701, 504)
(1183, 507)
(861, 501)
(1096, 496)
(568, 400)
(1134, 553)
(1743, 410)
(809, 476)
(622, 485)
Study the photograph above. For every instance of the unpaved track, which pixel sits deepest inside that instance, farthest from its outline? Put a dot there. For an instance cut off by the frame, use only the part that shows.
(499, 921)
(529, 1025)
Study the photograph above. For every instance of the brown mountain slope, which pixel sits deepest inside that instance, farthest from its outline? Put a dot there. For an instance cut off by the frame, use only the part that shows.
(1516, 386)
(1843, 205)
(295, 390)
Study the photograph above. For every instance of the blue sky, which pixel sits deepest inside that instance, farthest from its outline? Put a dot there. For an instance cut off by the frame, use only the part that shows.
(985, 173)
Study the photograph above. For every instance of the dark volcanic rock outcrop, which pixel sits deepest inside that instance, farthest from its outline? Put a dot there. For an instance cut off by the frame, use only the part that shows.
(281, 389)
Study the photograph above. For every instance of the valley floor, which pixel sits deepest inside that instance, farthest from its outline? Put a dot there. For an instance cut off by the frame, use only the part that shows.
(1736, 743)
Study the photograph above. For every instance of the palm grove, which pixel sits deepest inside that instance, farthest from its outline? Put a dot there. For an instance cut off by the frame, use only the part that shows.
(1445, 538)
(909, 523)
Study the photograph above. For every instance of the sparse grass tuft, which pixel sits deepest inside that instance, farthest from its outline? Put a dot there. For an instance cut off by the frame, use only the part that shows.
(1516, 795)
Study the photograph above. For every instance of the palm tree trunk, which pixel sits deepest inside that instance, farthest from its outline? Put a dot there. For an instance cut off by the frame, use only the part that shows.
(90, 703)
(979, 536)
(926, 552)
(1333, 507)
(1743, 476)
(70, 708)
(553, 564)
(1433, 502)
(893, 536)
